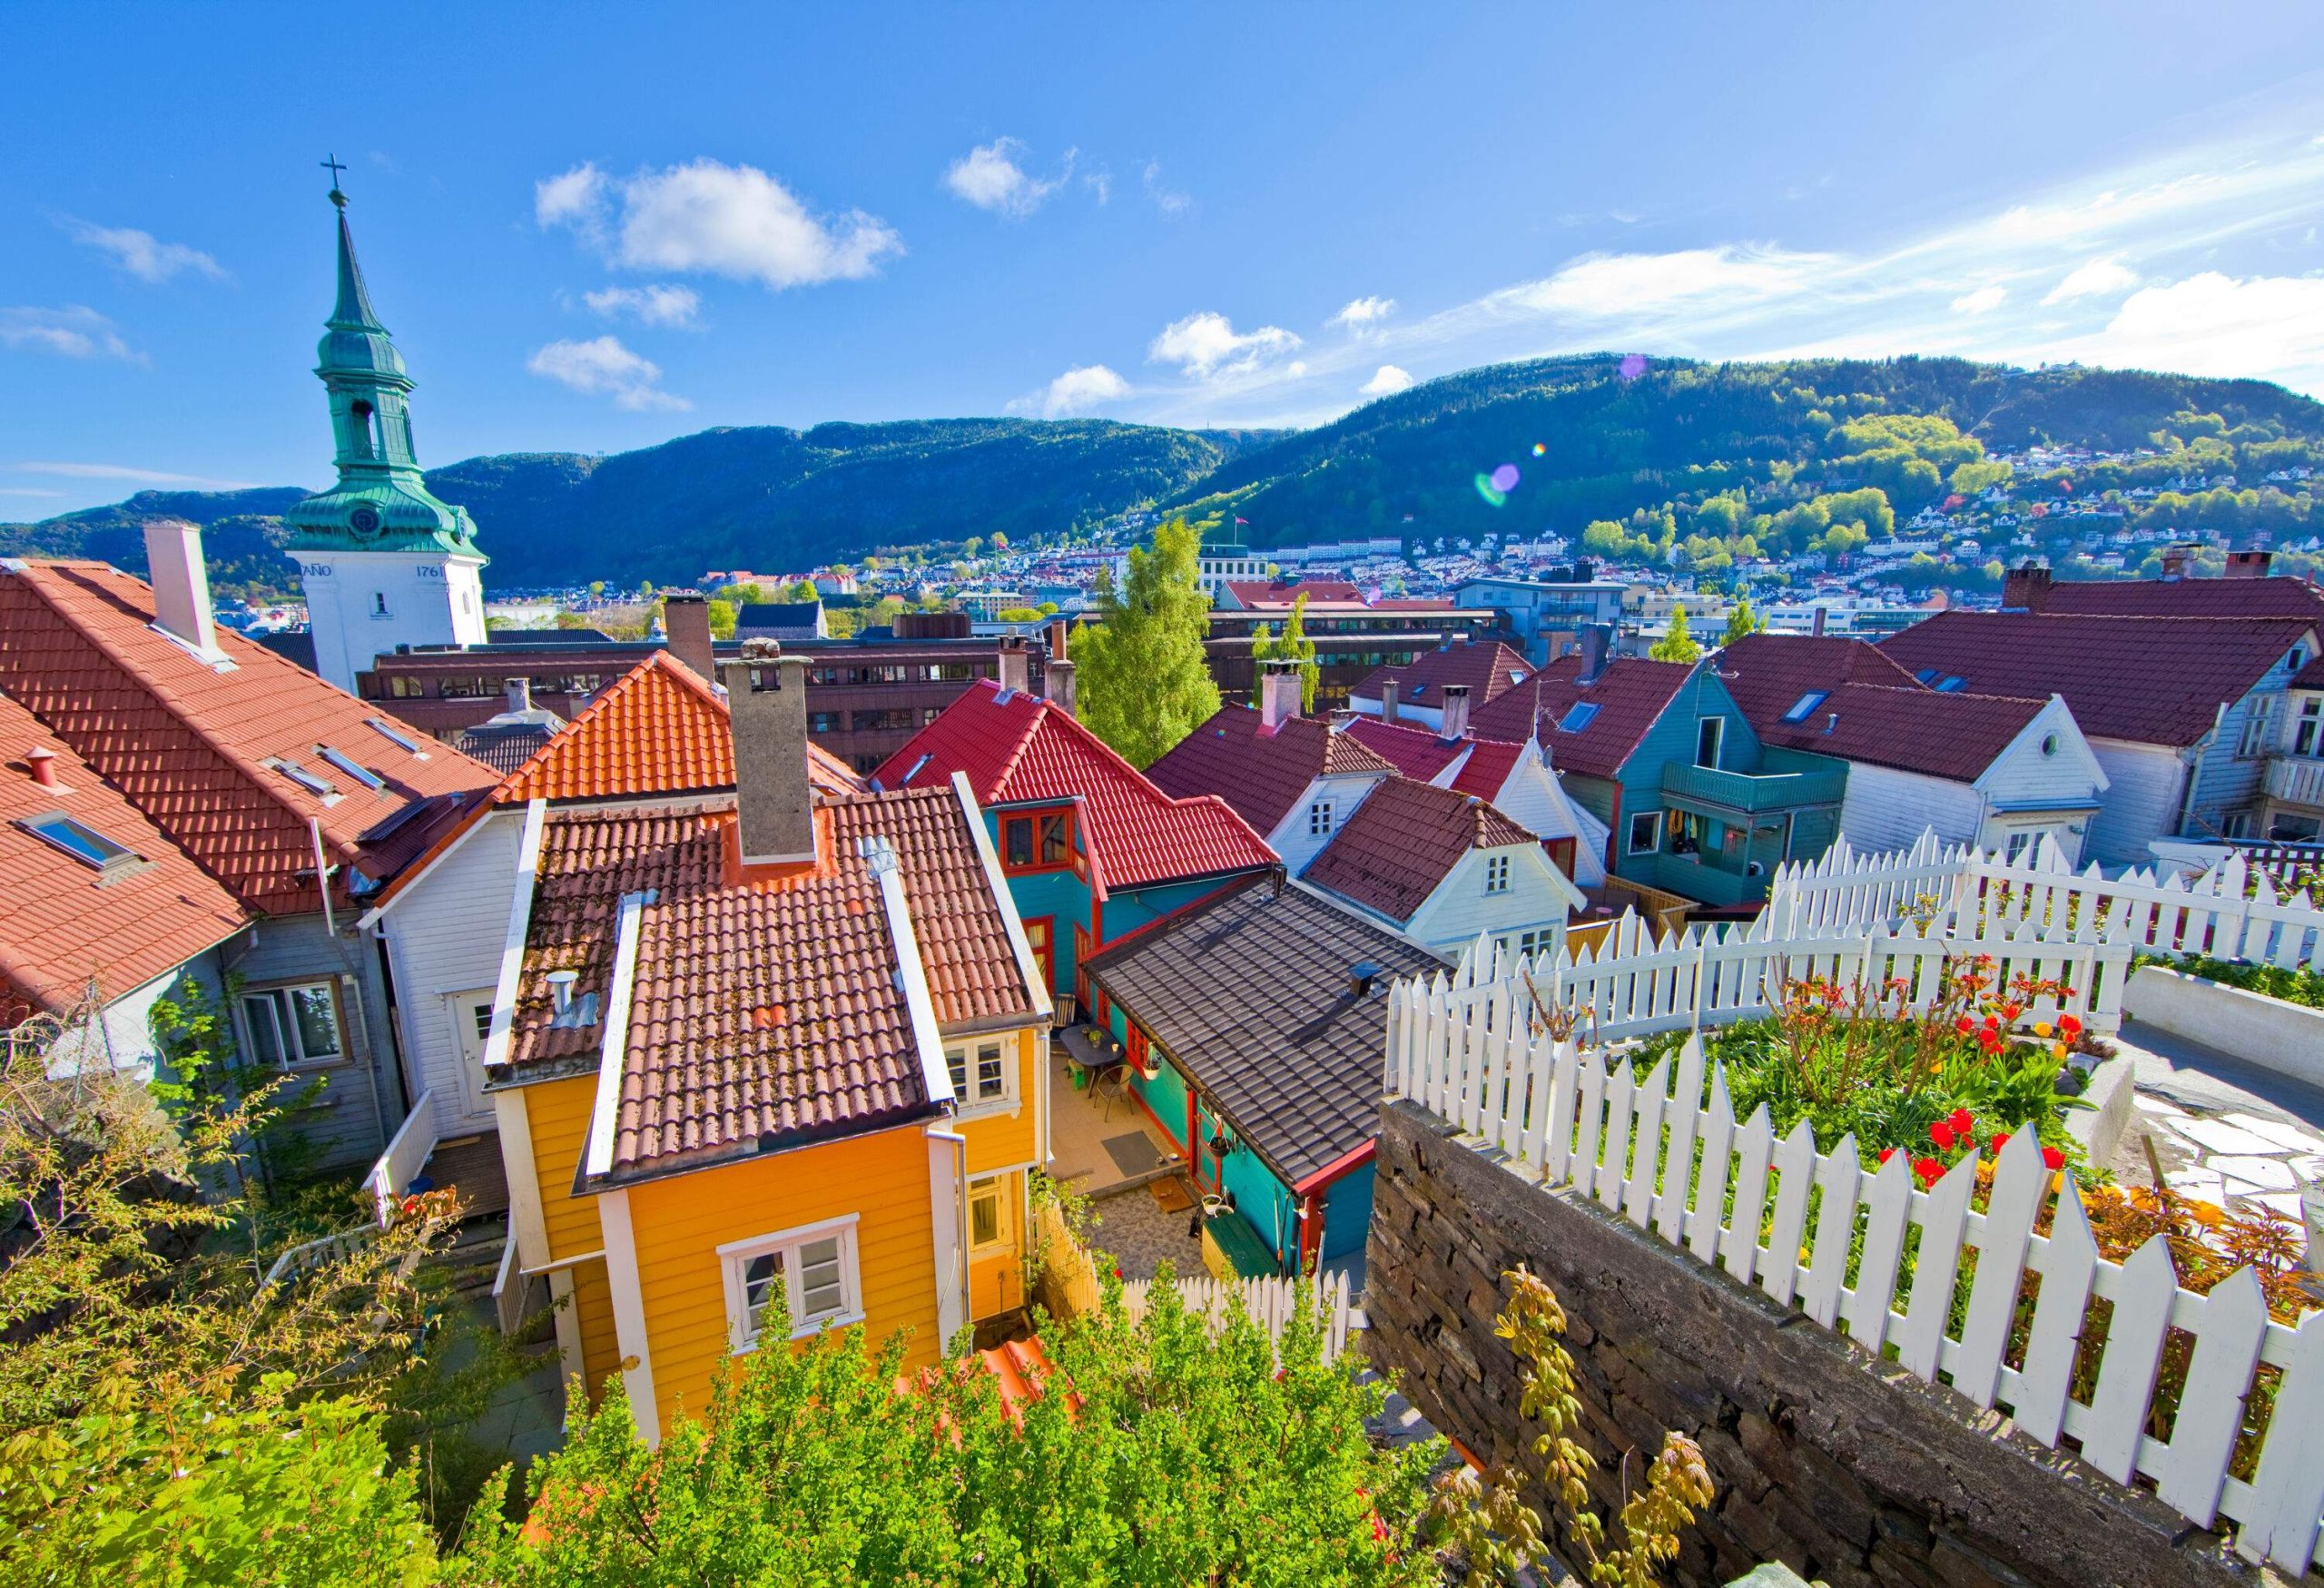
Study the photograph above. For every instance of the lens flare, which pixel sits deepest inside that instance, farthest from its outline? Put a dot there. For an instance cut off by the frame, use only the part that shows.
(1540, 449)
(1504, 478)
(1492, 493)
(1632, 366)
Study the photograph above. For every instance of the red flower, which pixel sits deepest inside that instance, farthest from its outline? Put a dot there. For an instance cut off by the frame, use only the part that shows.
(1929, 1170)
(1964, 1025)
(2068, 1027)
(2001, 1139)
(1989, 1041)
(2053, 1158)
(1942, 1134)
(1993, 1022)
(1886, 1153)
(1963, 1125)
(2012, 1011)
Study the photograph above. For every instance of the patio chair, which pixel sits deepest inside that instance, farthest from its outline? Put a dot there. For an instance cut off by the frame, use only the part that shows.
(1111, 1083)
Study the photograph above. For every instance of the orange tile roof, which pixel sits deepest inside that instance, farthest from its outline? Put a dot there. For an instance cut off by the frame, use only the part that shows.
(196, 749)
(763, 1012)
(67, 929)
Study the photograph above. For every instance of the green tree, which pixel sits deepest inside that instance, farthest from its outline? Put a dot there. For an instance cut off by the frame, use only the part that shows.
(1677, 644)
(802, 590)
(721, 617)
(1742, 621)
(1157, 1456)
(1296, 647)
(1144, 680)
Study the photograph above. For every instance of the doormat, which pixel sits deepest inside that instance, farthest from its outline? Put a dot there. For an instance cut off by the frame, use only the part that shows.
(1132, 1153)
(1171, 1195)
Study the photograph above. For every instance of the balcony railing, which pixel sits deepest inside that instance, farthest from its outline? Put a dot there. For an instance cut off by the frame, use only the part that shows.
(1753, 792)
(2297, 780)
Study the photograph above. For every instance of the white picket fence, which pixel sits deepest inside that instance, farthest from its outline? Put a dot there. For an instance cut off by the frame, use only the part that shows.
(1958, 891)
(1474, 1056)
(1270, 1302)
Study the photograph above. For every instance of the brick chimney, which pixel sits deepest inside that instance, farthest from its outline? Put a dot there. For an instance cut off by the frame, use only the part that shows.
(1388, 693)
(2174, 561)
(2024, 588)
(766, 700)
(2248, 565)
(181, 586)
(1279, 692)
(1015, 665)
(1455, 713)
(686, 624)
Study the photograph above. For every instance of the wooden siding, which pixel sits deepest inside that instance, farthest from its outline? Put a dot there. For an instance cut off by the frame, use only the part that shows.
(2143, 786)
(558, 1111)
(1460, 908)
(358, 1092)
(1006, 1139)
(681, 1221)
(1291, 838)
(444, 935)
(1535, 801)
(1887, 809)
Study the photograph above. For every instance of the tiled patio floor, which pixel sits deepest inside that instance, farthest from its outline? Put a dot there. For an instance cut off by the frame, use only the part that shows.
(1080, 1130)
(1137, 1235)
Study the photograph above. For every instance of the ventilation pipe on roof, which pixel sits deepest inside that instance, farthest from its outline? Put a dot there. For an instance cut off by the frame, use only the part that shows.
(1388, 693)
(1015, 665)
(686, 624)
(41, 762)
(1455, 713)
(1279, 691)
(560, 988)
(766, 701)
(1361, 975)
(181, 586)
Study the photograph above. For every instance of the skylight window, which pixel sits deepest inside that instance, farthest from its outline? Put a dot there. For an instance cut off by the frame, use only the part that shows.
(353, 768)
(1952, 683)
(304, 779)
(1926, 674)
(82, 841)
(1578, 717)
(1805, 706)
(393, 734)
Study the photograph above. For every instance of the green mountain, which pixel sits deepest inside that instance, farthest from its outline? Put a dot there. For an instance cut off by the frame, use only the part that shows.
(1675, 450)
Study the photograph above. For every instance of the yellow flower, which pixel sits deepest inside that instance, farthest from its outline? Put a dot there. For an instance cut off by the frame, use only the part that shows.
(2041, 1028)
(2058, 1049)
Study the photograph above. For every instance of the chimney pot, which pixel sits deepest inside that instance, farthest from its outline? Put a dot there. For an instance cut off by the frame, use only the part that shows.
(1015, 665)
(685, 628)
(766, 705)
(1389, 690)
(42, 762)
(1059, 686)
(1280, 687)
(1597, 646)
(1818, 629)
(560, 988)
(1454, 716)
(180, 585)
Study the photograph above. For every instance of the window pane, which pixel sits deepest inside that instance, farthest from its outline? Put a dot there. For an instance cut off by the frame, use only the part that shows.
(317, 1022)
(1055, 847)
(758, 1279)
(266, 1035)
(1018, 837)
(956, 1060)
(990, 1078)
(820, 1292)
(984, 1219)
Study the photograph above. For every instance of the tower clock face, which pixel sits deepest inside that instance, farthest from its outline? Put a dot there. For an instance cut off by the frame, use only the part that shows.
(364, 521)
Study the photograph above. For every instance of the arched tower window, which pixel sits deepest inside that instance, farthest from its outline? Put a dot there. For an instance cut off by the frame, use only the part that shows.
(367, 446)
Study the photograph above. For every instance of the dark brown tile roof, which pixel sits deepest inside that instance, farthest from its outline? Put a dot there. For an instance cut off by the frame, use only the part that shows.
(1250, 993)
(1402, 841)
(1488, 668)
(1262, 775)
(763, 1012)
(2146, 680)
(1485, 763)
(1630, 694)
(2281, 596)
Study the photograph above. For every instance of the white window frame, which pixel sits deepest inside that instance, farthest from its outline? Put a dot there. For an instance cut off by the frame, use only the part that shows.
(1539, 941)
(2258, 727)
(1319, 818)
(1716, 726)
(734, 1259)
(966, 1074)
(1496, 874)
(998, 1187)
(2309, 727)
(290, 1048)
(1631, 837)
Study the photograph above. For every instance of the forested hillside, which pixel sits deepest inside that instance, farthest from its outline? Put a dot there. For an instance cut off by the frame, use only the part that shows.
(1714, 461)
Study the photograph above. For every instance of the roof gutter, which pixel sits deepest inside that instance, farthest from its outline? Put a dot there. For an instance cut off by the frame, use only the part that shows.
(605, 1114)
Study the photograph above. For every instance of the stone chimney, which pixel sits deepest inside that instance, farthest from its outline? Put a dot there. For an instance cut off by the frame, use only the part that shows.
(1388, 693)
(2024, 588)
(1596, 650)
(520, 694)
(2248, 565)
(766, 700)
(686, 624)
(180, 585)
(1279, 692)
(1821, 613)
(2174, 561)
(1456, 711)
(1015, 665)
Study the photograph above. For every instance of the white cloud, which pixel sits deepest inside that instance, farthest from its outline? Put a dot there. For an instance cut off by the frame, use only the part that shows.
(1101, 182)
(2100, 278)
(603, 366)
(1604, 285)
(27, 490)
(124, 471)
(2262, 326)
(651, 305)
(1983, 300)
(1205, 345)
(1170, 201)
(1387, 383)
(992, 177)
(1364, 313)
(1080, 390)
(732, 220)
(76, 332)
(143, 254)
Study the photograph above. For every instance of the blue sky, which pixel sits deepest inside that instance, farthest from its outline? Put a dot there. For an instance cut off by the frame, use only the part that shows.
(592, 230)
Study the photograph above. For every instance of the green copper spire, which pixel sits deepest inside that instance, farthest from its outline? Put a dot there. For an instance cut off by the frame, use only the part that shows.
(380, 502)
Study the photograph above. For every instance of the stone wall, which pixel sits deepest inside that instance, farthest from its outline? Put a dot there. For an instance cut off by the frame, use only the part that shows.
(1842, 1466)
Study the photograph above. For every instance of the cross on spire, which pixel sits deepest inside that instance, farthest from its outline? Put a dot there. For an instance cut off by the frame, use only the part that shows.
(334, 167)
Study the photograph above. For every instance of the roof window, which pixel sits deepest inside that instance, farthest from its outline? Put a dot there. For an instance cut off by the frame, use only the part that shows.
(82, 842)
(394, 735)
(353, 768)
(1952, 683)
(1578, 717)
(305, 779)
(1926, 674)
(1805, 706)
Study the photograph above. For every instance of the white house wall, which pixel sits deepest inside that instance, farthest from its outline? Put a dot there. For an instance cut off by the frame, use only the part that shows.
(2144, 783)
(1291, 838)
(1886, 809)
(1535, 801)
(445, 933)
(1538, 899)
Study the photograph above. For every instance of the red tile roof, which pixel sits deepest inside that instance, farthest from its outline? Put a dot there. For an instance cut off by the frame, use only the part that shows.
(1262, 775)
(1767, 673)
(2147, 680)
(2281, 596)
(1630, 694)
(1485, 763)
(65, 928)
(1262, 593)
(1019, 749)
(1488, 668)
(195, 748)
(1402, 842)
(762, 1011)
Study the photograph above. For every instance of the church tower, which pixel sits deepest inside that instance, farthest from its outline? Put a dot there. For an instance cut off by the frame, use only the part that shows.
(384, 562)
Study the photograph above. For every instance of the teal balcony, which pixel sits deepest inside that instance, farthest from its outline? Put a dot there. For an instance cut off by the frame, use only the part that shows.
(1751, 793)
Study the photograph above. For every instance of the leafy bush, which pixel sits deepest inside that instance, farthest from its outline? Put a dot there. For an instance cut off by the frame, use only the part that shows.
(2305, 988)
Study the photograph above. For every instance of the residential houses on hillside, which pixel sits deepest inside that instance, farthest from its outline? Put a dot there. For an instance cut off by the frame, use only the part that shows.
(1482, 671)
(1516, 779)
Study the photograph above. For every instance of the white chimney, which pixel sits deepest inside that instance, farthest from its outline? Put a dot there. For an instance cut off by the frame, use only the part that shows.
(181, 586)
(1015, 665)
(520, 694)
(1456, 711)
(1388, 693)
(1280, 687)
